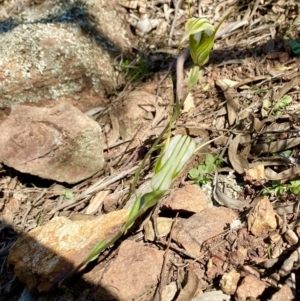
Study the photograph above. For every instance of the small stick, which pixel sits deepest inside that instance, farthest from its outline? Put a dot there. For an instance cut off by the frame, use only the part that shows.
(179, 72)
(177, 5)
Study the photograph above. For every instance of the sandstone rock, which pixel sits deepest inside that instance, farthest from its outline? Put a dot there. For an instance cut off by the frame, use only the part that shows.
(191, 233)
(262, 218)
(284, 294)
(163, 227)
(229, 281)
(189, 198)
(44, 256)
(133, 274)
(251, 287)
(61, 50)
(212, 296)
(60, 143)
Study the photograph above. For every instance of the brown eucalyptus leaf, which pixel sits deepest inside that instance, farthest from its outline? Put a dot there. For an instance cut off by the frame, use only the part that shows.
(286, 88)
(252, 123)
(276, 146)
(278, 127)
(238, 162)
(190, 288)
(233, 105)
(231, 96)
(289, 173)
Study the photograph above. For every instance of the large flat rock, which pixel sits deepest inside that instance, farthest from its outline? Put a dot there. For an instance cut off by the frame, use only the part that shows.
(60, 143)
(44, 256)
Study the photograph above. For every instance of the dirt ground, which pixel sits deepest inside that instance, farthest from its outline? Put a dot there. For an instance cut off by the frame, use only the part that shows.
(249, 88)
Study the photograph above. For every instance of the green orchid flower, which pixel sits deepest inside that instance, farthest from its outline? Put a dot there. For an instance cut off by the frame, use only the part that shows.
(176, 153)
(201, 35)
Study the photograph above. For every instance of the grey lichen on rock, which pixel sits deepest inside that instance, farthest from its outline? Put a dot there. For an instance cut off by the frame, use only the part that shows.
(107, 17)
(61, 49)
(46, 61)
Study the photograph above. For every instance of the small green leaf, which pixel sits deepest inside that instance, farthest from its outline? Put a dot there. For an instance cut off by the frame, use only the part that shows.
(194, 173)
(295, 186)
(209, 159)
(202, 168)
(285, 101)
(210, 168)
(67, 194)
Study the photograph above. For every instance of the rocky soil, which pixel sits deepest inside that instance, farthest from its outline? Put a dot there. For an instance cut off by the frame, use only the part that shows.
(87, 82)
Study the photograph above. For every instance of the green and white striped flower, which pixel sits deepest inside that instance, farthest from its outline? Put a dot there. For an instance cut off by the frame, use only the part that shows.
(201, 35)
(176, 153)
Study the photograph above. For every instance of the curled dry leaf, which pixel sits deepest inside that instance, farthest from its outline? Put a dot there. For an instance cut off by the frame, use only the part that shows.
(239, 162)
(276, 146)
(289, 173)
(190, 288)
(232, 100)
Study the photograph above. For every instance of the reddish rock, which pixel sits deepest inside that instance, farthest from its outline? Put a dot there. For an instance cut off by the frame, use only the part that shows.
(133, 274)
(189, 198)
(229, 281)
(215, 265)
(251, 287)
(59, 143)
(262, 218)
(44, 256)
(191, 233)
(284, 294)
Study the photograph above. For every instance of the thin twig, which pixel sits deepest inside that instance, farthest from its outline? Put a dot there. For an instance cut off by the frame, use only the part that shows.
(158, 293)
(177, 6)
(179, 73)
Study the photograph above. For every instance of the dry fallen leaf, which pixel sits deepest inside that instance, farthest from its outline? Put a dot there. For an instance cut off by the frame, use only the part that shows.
(238, 162)
(188, 103)
(190, 288)
(231, 97)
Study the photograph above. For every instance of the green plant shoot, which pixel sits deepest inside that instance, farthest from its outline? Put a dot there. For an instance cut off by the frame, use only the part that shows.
(175, 154)
(201, 34)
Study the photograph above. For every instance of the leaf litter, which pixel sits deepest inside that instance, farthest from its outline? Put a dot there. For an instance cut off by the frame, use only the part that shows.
(256, 49)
